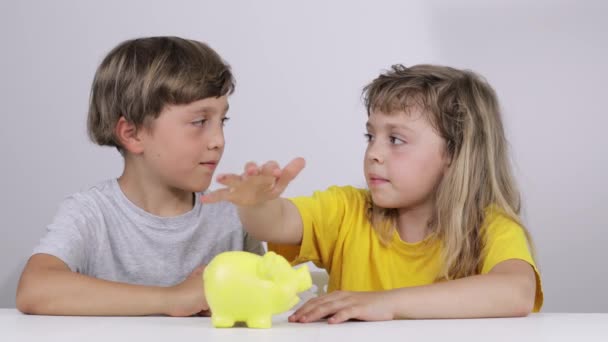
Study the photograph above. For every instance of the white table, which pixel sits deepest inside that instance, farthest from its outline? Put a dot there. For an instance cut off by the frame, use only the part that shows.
(15, 327)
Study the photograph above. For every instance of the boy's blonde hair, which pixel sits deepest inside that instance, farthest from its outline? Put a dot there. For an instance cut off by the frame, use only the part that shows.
(464, 110)
(140, 76)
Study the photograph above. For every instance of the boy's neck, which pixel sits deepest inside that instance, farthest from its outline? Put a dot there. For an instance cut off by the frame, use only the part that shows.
(152, 196)
(413, 222)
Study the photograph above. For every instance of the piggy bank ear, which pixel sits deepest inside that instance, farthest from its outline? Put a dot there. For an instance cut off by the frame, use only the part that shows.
(271, 265)
(265, 266)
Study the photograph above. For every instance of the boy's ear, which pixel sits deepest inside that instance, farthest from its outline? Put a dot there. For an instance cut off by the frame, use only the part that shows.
(128, 136)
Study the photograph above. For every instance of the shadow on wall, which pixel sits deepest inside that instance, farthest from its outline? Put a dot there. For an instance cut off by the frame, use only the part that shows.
(8, 287)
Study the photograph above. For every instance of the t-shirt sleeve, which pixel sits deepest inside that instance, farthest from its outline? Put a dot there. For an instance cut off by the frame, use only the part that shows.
(506, 240)
(250, 244)
(322, 215)
(66, 236)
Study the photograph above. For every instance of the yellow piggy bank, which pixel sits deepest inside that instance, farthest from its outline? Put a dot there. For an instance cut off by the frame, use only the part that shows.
(246, 287)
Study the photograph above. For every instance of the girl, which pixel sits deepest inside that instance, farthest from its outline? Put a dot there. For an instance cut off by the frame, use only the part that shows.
(436, 235)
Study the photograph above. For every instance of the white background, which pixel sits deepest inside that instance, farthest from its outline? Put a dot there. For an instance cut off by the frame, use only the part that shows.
(300, 67)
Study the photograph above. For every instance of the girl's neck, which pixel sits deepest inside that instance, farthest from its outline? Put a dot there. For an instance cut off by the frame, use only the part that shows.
(413, 222)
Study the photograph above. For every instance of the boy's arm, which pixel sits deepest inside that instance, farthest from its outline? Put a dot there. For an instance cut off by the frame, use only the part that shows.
(48, 287)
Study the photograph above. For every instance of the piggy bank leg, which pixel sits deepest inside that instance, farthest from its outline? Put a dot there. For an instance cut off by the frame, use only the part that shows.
(260, 322)
(221, 321)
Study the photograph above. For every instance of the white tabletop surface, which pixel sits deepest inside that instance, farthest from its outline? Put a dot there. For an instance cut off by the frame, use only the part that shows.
(15, 326)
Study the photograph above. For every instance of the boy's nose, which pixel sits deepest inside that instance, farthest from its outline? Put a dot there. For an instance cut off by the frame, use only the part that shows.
(216, 141)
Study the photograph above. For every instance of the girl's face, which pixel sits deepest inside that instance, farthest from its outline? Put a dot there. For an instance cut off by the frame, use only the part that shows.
(405, 159)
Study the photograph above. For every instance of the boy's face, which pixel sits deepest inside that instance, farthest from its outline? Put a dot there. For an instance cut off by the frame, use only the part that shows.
(183, 146)
(404, 159)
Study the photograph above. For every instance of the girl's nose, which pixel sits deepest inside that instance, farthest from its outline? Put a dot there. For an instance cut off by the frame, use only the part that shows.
(374, 154)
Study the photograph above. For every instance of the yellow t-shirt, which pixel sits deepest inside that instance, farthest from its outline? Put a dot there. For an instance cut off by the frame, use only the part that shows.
(338, 237)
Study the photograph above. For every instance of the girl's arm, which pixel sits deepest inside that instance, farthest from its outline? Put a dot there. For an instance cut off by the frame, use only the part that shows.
(508, 290)
(277, 221)
(265, 215)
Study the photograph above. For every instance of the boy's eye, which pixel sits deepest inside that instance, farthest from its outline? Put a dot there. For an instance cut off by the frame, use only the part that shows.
(368, 137)
(396, 141)
(199, 122)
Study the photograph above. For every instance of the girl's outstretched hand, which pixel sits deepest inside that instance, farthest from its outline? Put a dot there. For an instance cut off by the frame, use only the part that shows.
(256, 185)
(340, 306)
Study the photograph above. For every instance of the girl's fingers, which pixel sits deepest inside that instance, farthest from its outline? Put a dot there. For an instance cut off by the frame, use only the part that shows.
(307, 310)
(322, 310)
(229, 180)
(216, 196)
(271, 169)
(252, 169)
(344, 315)
(290, 172)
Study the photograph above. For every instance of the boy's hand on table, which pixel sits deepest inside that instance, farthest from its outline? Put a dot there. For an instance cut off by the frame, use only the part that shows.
(188, 297)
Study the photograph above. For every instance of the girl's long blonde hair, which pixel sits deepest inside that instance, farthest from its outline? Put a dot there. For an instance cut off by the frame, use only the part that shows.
(464, 110)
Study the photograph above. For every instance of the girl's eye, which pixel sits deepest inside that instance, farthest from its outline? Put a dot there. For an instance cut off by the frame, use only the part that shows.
(396, 141)
(368, 137)
(224, 120)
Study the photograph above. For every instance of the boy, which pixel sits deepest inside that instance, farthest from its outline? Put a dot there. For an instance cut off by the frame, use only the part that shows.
(137, 245)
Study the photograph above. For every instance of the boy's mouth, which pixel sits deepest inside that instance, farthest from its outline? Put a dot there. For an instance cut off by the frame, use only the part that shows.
(212, 164)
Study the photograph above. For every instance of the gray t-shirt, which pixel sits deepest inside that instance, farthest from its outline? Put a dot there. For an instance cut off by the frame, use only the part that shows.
(101, 233)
